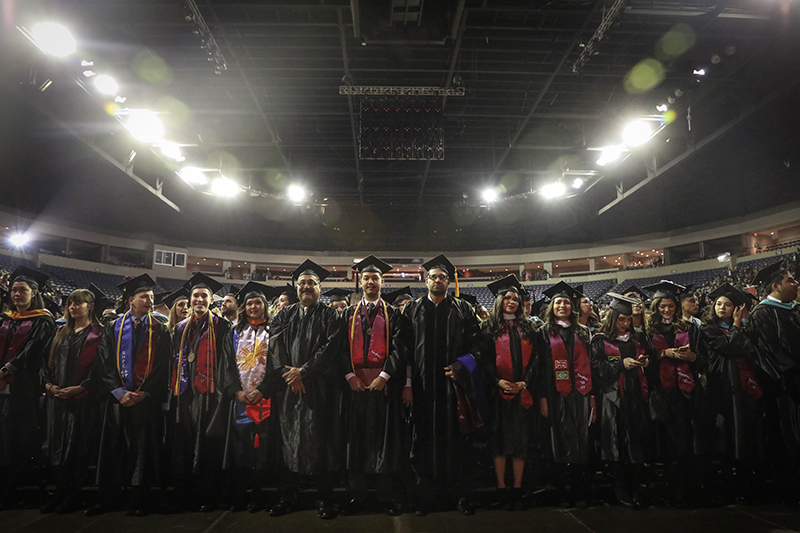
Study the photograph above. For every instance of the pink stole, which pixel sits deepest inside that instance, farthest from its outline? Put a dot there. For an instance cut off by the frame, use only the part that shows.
(505, 368)
(674, 372)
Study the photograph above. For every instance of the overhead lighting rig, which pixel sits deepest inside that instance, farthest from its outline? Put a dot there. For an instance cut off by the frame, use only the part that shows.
(590, 48)
(209, 43)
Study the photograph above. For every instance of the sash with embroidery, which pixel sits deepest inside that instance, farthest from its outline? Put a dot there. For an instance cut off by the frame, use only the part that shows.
(368, 366)
(251, 356)
(747, 375)
(612, 352)
(134, 368)
(505, 365)
(86, 357)
(206, 356)
(580, 362)
(674, 372)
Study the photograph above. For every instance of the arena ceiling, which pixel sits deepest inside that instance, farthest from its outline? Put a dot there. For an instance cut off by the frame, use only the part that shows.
(527, 92)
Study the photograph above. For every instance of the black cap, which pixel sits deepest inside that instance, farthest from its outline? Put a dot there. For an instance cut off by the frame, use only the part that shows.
(622, 304)
(736, 296)
(136, 285)
(28, 275)
(473, 301)
(253, 289)
(180, 294)
(291, 292)
(400, 295)
(665, 289)
(579, 288)
(158, 299)
(770, 274)
(310, 268)
(563, 289)
(687, 292)
(443, 263)
(372, 264)
(536, 307)
(52, 305)
(634, 290)
(202, 281)
(338, 295)
(524, 294)
(101, 300)
(503, 285)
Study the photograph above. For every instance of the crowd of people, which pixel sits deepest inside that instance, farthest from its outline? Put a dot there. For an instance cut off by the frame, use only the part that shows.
(419, 399)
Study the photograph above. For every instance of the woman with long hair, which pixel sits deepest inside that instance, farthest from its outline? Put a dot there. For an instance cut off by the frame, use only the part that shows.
(619, 358)
(511, 348)
(566, 392)
(674, 377)
(178, 303)
(24, 332)
(735, 388)
(587, 316)
(73, 410)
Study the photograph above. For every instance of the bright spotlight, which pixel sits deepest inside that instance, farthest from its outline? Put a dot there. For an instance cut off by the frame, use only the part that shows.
(89, 73)
(577, 184)
(54, 39)
(553, 190)
(193, 175)
(19, 240)
(106, 84)
(490, 195)
(296, 193)
(724, 257)
(699, 72)
(224, 187)
(637, 132)
(609, 155)
(172, 150)
(662, 108)
(145, 125)
(120, 99)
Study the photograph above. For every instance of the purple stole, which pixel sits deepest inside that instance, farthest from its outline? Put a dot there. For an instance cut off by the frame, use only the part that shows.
(674, 372)
(580, 362)
(206, 357)
(134, 368)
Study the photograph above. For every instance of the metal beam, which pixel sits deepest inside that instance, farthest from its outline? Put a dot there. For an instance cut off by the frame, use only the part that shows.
(351, 107)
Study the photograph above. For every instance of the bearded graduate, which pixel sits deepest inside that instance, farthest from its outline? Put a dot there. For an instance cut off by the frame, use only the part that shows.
(566, 394)
(203, 385)
(134, 370)
(374, 367)
(24, 333)
(252, 410)
(674, 377)
(69, 378)
(511, 349)
(619, 356)
(305, 383)
(775, 327)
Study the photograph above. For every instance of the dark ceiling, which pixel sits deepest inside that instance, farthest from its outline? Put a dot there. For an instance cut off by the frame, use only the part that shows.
(539, 95)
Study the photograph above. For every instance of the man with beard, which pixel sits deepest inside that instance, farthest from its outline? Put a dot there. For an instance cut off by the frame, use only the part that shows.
(230, 308)
(690, 306)
(374, 413)
(304, 381)
(443, 329)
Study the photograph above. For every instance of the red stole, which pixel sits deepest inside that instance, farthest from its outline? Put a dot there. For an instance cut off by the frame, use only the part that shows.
(85, 359)
(368, 367)
(20, 337)
(674, 372)
(580, 366)
(612, 352)
(505, 367)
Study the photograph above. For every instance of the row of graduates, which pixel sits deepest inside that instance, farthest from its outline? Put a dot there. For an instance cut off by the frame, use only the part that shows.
(621, 380)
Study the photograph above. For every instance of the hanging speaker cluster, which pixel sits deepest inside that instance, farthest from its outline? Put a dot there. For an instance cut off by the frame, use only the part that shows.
(397, 128)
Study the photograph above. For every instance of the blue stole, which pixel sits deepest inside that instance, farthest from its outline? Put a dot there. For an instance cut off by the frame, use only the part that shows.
(126, 351)
(781, 305)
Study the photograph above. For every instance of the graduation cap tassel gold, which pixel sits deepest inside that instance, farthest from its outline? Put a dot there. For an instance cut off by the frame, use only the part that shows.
(457, 293)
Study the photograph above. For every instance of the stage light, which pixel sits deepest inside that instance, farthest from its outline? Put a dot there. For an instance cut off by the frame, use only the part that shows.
(224, 187)
(19, 240)
(172, 150)
(296, 193)
(120, 99)
(662, 108)
(85, 63)
(637, 133)
(145, 125)
(489, 195)
(89, 73)
(54, 39)
(553, 190)
(699, 72)
(106, 84)
(609, 155)
(193, 175)
(724, 257)
(577, 184)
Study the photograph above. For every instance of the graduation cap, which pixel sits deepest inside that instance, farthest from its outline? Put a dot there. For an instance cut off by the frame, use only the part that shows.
(524, 294)
(536, 307)
(442, 263)
(180, 294)
(51, 305)
(372, 264)
(290, 292)
(400, 295)
(622, 304)
(253, 289)
(633, 289)
(310, 268)
(136, 285)
(101, 300)
(687, 292)
(31, 276)
(503, 285)
(158, 299)
(563, 289)
(736, 296)
(770, 274)
(339, 295)
(202, 281)
(665, 289)
(473, 301)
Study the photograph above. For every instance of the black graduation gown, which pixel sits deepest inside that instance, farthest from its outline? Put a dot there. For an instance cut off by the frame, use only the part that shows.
(201, 422)
(131, 438)
(568, 415)
(740, 411)
(73, 425)
(626, 432)
(440, 334)
(310, 425)
(511, 421)
(19, 435)
(375, 423)
(679, 415)
(776, 336)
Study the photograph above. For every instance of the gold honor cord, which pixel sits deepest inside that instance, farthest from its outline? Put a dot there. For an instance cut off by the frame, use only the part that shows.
(149, 348)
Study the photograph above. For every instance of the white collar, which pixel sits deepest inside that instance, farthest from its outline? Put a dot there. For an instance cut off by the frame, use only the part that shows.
(563, 323)
(625, 337)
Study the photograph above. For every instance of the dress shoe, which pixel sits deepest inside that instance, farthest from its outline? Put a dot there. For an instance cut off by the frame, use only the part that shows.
(69, 505)
(282, 507)
(392, 508)
(206, 508)
(421, 509)
(97, 509)
(138, 511)
(326, 510)
(353, 507)
(237, 507)
(51, 505)
(465, 507)
(254, 507)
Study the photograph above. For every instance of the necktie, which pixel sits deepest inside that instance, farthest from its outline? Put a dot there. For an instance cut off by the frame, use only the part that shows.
(370, 308)
(137, 322)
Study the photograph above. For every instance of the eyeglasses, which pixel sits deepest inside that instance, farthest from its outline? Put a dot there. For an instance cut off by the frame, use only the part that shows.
(307, 283)
(443, 277)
